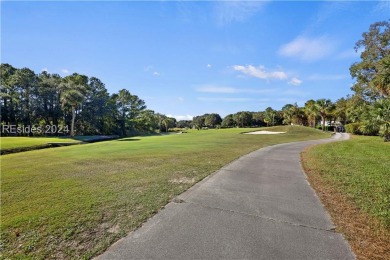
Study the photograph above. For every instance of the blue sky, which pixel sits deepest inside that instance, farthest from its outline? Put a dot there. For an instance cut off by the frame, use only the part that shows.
(189, 58)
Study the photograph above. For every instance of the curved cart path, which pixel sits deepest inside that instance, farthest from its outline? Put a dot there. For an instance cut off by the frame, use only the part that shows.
(258, 207)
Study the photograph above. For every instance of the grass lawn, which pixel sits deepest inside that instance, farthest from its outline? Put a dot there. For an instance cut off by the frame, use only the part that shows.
(353, 180)
(20, 142)
(75, 201)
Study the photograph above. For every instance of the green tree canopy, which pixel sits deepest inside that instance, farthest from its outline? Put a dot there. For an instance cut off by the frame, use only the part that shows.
(212, 120)
(372, 72)
(243, 118)
(228, 121)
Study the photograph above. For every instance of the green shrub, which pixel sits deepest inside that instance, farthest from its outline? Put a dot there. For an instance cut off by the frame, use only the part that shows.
(368, 128)
(353, 128)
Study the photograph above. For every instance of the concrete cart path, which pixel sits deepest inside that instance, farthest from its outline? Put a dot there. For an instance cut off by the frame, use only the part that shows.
(257, 207)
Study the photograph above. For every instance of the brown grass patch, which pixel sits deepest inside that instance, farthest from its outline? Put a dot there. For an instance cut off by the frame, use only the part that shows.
(366, 235)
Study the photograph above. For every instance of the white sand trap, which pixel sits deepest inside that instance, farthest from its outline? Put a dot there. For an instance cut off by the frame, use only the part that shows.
(264, 133)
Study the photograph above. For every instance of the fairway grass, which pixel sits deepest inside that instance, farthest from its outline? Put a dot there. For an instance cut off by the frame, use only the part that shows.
(352, 179)
(73, 202)
(23, 142)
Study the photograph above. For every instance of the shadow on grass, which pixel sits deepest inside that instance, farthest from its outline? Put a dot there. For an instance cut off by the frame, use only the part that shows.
(128, 139)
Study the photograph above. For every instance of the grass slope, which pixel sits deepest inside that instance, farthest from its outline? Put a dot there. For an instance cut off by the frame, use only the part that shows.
(73, 202)
(353, 180)
(19, 142)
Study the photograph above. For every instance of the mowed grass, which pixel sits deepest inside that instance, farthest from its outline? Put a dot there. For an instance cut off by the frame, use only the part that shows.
(353, 180)
(21, 142)
(73, 202)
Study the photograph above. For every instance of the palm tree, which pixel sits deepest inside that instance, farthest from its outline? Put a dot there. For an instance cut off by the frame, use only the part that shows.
(288, 114)
(311, 112)
(324, 107)
(72, 96)
(378, 119)
(298, 115)
(270, 116)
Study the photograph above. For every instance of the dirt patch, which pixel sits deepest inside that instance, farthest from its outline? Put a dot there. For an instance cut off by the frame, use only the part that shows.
(115, 229)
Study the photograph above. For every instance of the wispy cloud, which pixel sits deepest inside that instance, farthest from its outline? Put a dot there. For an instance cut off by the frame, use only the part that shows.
(295, 81)
(227, 12)
(156, 73)
(308, 49)
(260, 72)
(223, 99)
(45, 69)
(229, 90)
(208, 65)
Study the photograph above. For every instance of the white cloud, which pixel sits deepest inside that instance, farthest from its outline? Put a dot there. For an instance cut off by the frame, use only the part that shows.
(156, 73)
(180, 99)
(45, 69)
(65, 71)
(260, 72)
(181, 117)
(229, 90)
(223, 99)
(308, 49)
(208, 65)
(295, 81)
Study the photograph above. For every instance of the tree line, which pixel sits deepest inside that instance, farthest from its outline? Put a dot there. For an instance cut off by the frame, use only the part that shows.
(84, 104)
(78, 101)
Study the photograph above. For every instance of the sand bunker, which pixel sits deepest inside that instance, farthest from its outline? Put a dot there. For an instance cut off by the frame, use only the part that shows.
(264, 133)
